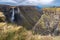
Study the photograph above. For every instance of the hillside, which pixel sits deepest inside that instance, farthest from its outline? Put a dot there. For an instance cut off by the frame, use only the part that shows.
(28, 15)
(49, 22)
(31, 14)
(29, 23)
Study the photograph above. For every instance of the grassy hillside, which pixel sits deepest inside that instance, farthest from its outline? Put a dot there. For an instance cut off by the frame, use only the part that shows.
(35, 25)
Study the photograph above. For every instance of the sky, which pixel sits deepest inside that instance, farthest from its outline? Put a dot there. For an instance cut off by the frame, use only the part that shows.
(32, 2)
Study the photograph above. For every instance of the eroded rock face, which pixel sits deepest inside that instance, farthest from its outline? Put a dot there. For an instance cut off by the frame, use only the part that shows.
(49, 22)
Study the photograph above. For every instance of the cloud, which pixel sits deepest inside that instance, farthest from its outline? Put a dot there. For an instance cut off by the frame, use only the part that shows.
(12, 1)
(43, 2)
(46, 1)
(29, 2)
(34, 2)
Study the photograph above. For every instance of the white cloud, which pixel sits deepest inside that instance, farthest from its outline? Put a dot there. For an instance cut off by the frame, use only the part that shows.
(29, 2)
(8, 1)
(46, 1)
(43, 2)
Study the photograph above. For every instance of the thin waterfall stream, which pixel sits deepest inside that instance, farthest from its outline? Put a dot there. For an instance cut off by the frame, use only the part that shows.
(12, 17)
(19, 11)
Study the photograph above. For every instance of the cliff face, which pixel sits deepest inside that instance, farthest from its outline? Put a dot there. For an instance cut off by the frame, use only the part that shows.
(27, 16)
(44, 21)
(49, 22)
(31, 14)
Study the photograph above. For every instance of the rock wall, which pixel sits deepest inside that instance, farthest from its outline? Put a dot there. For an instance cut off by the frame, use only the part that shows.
(49, 22)
(31, 14)
(27, 16)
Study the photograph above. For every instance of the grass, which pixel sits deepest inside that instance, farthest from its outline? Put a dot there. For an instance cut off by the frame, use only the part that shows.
(14, 32)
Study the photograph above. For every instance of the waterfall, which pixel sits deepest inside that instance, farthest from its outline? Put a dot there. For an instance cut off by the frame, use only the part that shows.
(12, 17)
(18, 10)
